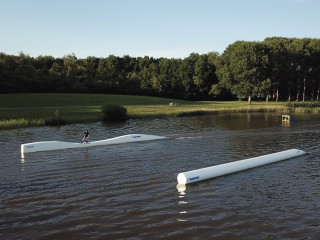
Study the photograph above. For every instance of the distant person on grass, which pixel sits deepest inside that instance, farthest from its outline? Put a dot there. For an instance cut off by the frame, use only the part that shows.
(85, 137)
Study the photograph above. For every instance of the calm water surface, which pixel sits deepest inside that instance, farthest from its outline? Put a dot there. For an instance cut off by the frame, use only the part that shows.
(129, 191)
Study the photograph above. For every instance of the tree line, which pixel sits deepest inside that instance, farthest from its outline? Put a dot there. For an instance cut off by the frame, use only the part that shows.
(276, 68)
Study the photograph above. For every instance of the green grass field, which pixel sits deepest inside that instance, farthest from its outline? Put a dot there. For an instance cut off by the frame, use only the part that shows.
(20, 110)
(68, 99)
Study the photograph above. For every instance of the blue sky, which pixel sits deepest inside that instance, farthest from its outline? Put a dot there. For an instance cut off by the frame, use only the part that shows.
(158, 28)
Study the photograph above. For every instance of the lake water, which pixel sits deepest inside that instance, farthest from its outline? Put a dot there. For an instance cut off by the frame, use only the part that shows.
(129, 191)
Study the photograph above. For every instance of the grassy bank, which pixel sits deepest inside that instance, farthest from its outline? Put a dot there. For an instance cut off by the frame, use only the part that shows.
(66, 99)
(37, 109)
(21, 110)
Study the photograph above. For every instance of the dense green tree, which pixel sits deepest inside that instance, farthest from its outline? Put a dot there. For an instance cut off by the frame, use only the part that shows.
(24, 73)
(70, 66)
(280, 67)
(301, 66)
(57, 77)
(314, 45)
(204, 75)
(7, 65)
(176, 86)
(243, 68)
(186, 74)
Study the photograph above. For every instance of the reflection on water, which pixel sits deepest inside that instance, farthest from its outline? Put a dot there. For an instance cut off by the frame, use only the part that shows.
(182, 192)
(181, 189)
(130, 191)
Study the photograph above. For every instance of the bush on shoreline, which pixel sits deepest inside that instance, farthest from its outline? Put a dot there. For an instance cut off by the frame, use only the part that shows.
(56, 120)
(113, 112)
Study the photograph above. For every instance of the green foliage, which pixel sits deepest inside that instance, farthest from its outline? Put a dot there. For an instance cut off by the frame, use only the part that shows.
(56, 120)
(13, 123)
(204, 76)
(243, 67)
(283, 67)
(303, 107)
(113, 112)
(302, 104)
(36, 122)
(21, 122)
(215, 89)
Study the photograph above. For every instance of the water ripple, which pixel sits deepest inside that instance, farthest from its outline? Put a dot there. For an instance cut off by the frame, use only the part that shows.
(129, 191)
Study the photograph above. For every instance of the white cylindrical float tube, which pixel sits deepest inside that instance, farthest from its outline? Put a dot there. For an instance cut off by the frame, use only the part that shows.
(232, 167)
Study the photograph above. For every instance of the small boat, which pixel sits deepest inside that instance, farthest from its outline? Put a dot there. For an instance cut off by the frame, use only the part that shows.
(58, 145)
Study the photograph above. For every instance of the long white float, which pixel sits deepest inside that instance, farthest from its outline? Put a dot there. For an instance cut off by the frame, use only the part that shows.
(57, 145)
(232, 167)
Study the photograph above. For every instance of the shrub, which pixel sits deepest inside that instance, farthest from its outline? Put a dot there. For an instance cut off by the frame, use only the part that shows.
(56, 120)
(113, 112)
(37, 122)
(302, 104)
(13, 123)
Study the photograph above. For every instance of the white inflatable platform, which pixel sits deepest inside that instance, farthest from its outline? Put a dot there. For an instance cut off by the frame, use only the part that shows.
(232, 167)
(57, 145)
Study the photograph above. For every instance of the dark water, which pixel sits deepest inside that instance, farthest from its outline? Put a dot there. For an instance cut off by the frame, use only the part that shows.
(128, 191)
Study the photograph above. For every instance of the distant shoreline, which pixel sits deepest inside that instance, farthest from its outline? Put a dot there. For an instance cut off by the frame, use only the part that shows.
(31, 110)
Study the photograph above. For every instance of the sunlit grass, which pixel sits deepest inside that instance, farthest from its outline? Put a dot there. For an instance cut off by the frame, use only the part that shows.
(12, 123)
(202, 108)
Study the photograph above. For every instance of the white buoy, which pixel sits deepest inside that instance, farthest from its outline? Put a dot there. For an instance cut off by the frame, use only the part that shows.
(232, 167)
